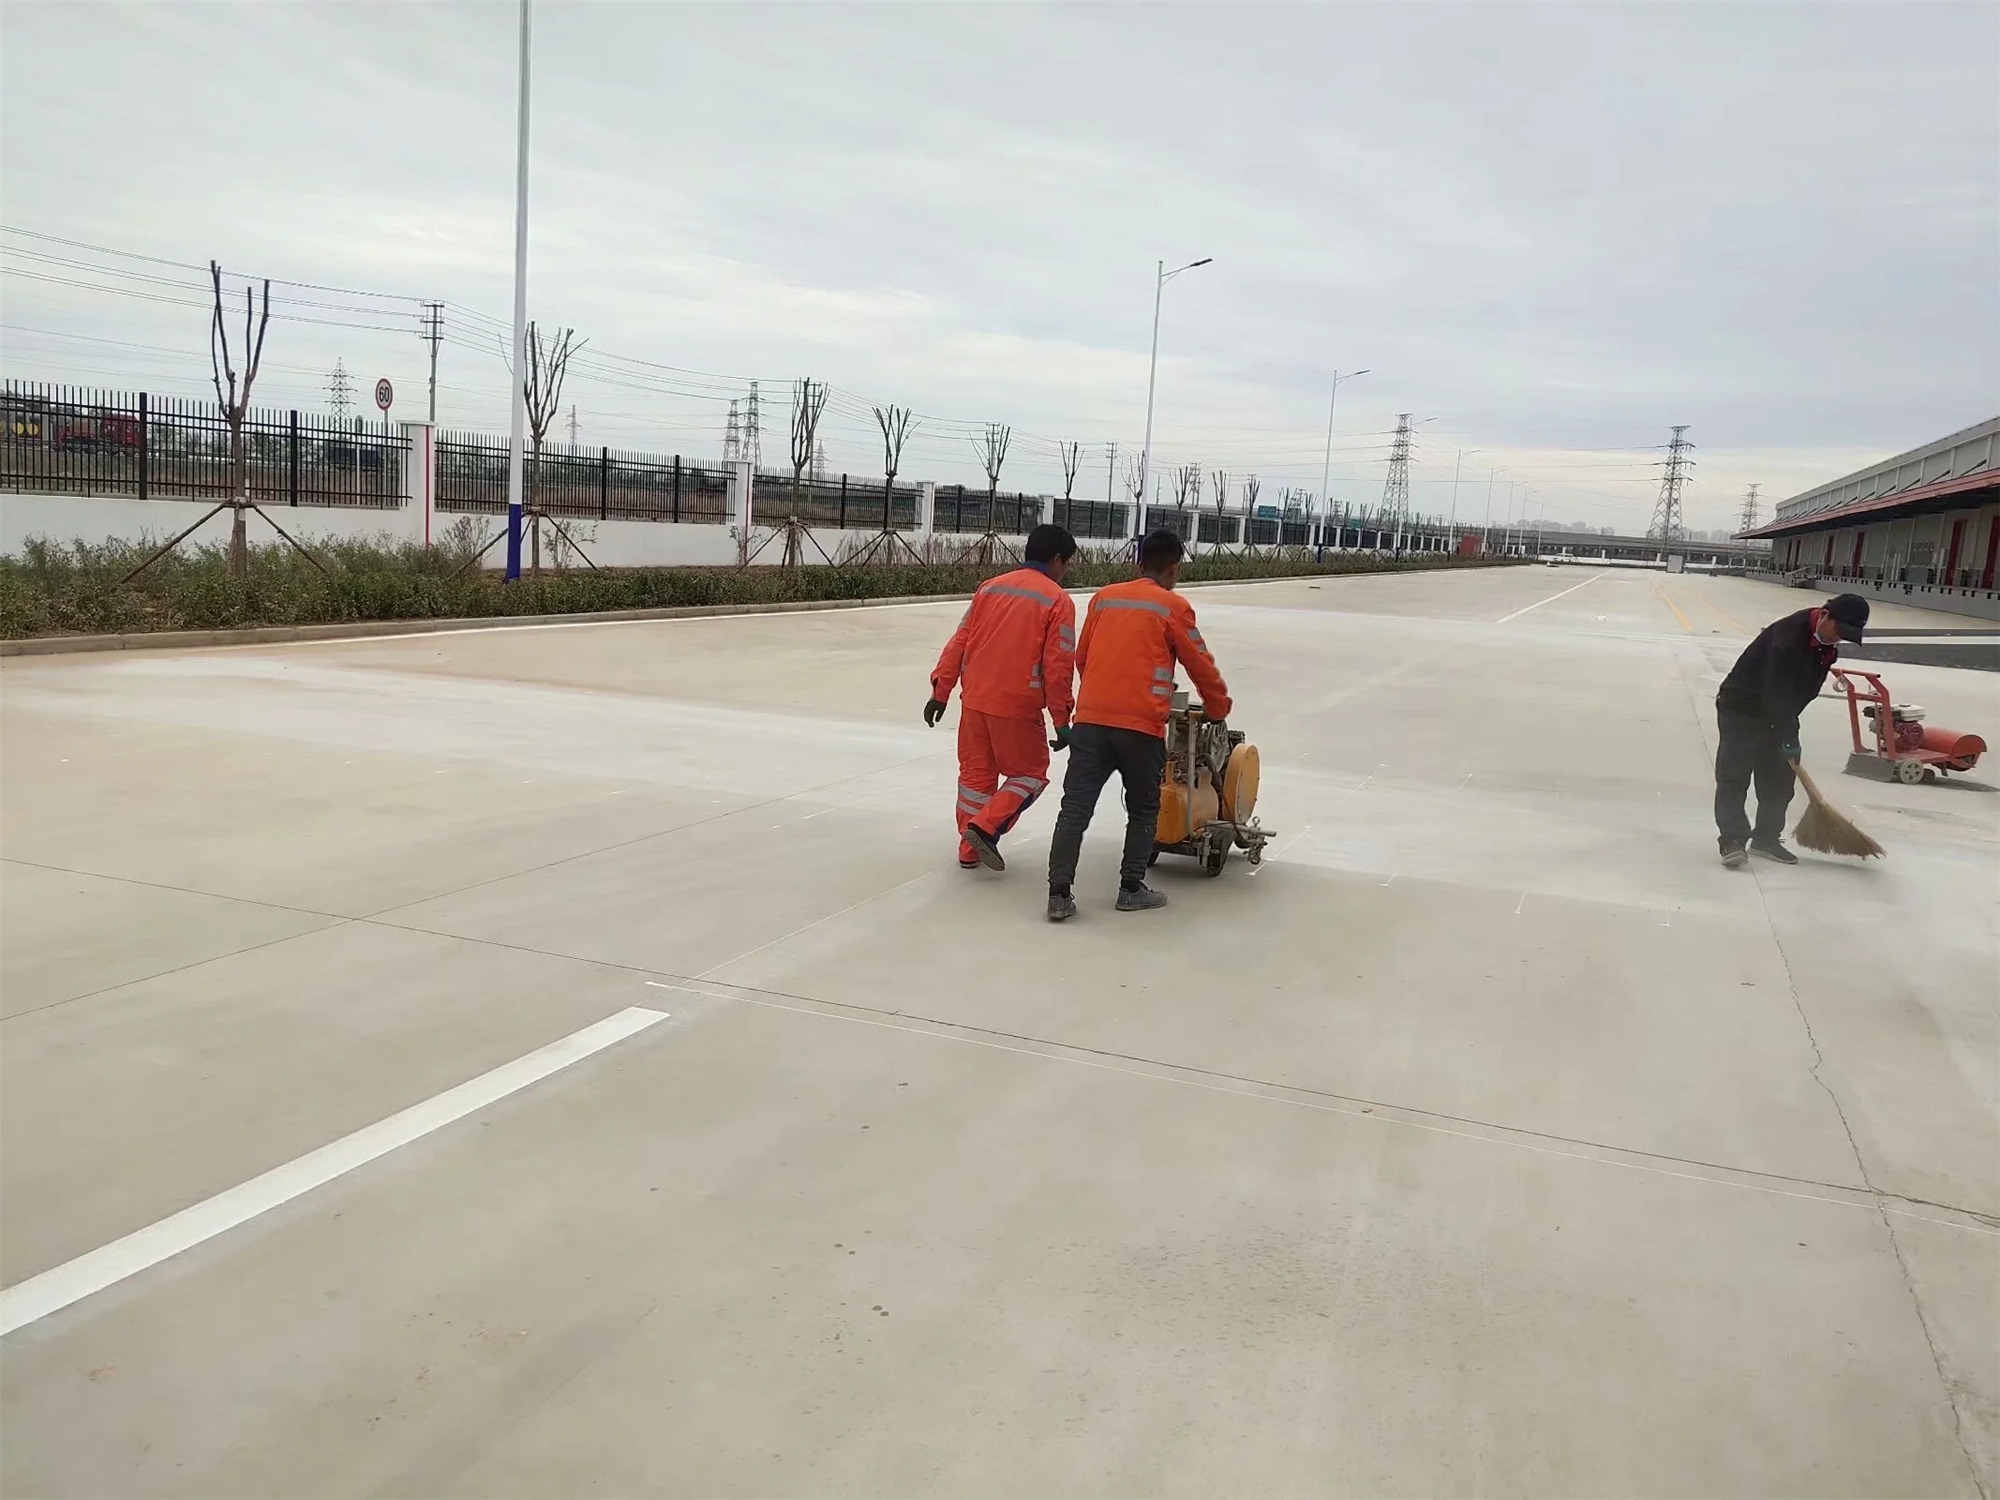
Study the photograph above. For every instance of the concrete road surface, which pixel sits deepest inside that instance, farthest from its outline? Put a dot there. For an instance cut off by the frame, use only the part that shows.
(569, 1061)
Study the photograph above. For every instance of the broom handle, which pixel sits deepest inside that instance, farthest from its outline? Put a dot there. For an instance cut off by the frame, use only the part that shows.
(1812, 792)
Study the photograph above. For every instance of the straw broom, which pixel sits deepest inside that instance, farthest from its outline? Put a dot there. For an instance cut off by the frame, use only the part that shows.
(1826, 830)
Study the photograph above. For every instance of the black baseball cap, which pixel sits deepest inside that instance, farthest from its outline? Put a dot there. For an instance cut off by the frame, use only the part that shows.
(1850, 615)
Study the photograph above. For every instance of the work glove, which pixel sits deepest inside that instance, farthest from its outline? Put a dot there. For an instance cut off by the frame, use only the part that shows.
(1061, 741)
(933, 711)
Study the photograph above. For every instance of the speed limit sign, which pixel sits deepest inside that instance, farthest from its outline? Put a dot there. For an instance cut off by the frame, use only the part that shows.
(384, 394)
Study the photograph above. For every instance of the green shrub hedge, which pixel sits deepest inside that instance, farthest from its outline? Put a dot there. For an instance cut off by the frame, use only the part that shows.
(75, 589)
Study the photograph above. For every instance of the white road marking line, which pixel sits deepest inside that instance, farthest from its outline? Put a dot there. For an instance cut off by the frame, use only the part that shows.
(1521, 903)
(1304, 829)
(783, 937)
(1392, 876)
(820, 814)
(1550, 600)
(56, 1288)
(1059, 1052)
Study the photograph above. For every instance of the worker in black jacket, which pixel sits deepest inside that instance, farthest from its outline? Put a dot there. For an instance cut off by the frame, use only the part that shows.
(1757, 722)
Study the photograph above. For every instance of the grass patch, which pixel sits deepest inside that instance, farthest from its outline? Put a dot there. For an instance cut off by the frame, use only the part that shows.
(75, 590)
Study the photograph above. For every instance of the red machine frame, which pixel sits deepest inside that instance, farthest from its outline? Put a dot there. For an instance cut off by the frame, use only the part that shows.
(1910, 765)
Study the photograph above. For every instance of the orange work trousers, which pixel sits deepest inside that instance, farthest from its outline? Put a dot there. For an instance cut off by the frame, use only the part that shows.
(1003, 766)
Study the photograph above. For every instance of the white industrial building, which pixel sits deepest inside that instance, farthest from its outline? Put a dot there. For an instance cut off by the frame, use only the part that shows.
(1921, 528)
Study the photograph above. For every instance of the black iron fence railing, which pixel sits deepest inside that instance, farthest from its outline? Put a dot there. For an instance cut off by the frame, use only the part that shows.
(605, 484)
(73, 440)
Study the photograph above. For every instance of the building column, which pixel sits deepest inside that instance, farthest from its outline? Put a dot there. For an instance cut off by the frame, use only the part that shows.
(742, 507)
(420, 478)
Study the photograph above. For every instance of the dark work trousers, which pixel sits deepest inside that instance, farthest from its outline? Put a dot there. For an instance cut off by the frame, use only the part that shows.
(1747, 748)
(1096, 751)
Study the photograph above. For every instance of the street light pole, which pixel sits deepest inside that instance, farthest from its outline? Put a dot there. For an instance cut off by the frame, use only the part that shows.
(520, 402)
(1161, 276)
(1453, 529)
(1326, 468)
(1486, 539)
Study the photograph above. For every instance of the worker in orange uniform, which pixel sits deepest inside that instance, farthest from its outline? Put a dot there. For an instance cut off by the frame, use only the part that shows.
(1013, 652)
(1133, 636)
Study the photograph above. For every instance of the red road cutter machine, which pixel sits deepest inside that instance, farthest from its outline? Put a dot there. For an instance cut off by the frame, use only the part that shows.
(1897, 745)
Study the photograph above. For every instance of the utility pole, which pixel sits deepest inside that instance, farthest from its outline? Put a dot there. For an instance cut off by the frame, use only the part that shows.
(732, 437)
(518, 403)
(1110, 470)
(1667, 526)
(1396, 488)
(1749, 518)
(1486, 532)
(753, 437)
(433, 334)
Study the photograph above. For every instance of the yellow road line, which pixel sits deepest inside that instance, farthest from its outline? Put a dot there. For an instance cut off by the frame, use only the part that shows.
(1676, 609)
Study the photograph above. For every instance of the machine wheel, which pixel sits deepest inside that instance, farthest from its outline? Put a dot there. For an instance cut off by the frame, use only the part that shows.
(1214, 857)
(1909, 772)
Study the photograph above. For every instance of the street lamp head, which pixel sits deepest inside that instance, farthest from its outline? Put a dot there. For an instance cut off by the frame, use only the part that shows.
(1206, 259)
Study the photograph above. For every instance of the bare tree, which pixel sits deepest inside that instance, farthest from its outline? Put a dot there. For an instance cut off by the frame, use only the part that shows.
(1072, 460)
(896, 422)
(1220, 479)
(1135, 480)
(541, 386)
(808, 401)
(232, 394)
(1187, 487)
(992, 450)
(1251, 486)
(235, 403)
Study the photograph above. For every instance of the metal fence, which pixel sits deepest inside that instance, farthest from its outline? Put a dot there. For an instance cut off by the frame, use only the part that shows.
(849, 502)
(1094, 520)
(967, 512)
(604, 484)
(77, 441)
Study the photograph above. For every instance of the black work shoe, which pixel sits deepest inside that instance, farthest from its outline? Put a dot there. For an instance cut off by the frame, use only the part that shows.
(1734, 856)
(1774, 851)
(1140, 898)
(1062, 906)
(989, 851)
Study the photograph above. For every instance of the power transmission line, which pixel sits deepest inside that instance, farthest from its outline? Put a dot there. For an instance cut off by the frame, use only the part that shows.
(1748, 519)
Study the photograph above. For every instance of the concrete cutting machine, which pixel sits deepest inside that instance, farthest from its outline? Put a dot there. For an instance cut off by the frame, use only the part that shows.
(1208, 795)
(1897, 744)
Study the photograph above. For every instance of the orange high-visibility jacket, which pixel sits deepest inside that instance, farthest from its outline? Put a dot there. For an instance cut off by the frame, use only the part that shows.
(1132, 637)
(1015, 649)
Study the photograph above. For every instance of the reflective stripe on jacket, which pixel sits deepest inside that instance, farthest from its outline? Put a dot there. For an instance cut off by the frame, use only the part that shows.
(1133, 636)
(1014, 651)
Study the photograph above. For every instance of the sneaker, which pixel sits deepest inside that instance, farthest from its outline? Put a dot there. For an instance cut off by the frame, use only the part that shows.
(1062, 906)
(1140, 898)
(969, 864)
(1774, 851)
(1734, 856)
(982, 843)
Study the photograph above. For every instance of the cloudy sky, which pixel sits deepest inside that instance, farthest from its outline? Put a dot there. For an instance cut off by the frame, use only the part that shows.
(1555, 229)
